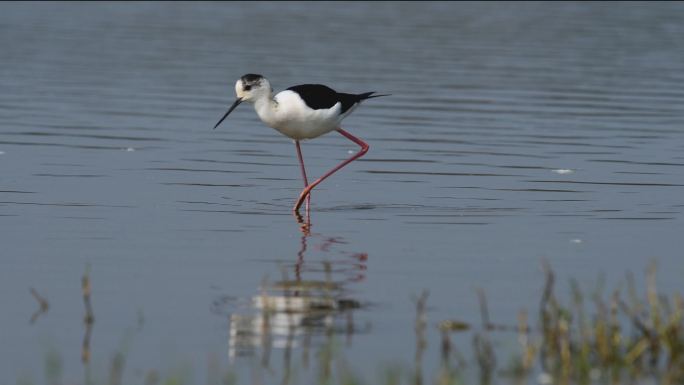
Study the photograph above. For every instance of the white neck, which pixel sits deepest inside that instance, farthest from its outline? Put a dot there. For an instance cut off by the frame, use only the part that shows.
(266, 108)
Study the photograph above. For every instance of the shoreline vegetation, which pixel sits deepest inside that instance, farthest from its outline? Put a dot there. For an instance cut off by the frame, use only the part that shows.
(620, 336)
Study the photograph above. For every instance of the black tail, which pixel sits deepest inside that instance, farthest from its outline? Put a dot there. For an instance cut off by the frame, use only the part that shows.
(350, 100)
(369, 95)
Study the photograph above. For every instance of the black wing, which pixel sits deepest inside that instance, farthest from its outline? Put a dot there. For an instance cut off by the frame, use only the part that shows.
(318, 97)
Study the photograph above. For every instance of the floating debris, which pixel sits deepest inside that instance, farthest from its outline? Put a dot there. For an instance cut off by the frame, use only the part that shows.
(453, 326)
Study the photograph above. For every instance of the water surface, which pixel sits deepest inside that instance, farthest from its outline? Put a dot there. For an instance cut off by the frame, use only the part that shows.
(514, 132)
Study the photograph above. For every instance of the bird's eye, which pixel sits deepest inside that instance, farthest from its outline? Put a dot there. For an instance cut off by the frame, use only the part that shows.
(247, 88)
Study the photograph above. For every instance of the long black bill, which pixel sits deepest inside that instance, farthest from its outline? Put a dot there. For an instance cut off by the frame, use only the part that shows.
(237, 102)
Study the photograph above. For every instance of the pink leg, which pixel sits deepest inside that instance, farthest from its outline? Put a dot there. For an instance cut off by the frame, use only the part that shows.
(364, 149)
(301, 165)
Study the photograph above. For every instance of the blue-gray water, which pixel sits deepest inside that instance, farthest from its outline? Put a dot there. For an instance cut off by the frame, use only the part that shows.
(514, 132)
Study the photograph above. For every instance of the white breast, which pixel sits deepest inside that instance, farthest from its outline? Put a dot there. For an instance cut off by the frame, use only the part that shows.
(293, 118)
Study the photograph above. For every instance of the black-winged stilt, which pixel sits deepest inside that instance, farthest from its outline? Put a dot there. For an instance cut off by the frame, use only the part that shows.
(301, 112)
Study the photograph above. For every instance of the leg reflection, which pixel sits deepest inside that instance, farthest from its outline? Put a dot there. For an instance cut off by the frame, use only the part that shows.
(307, 307)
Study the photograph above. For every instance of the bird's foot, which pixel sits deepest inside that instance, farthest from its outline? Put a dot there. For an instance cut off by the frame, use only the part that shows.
(305, 194)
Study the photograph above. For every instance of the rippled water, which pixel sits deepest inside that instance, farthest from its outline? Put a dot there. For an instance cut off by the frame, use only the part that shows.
(514, 132)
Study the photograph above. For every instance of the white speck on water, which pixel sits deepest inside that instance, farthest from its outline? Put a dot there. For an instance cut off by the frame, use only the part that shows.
(576, 241)
(563, 171)
(129, 149)
(544, 378)
(350, 152)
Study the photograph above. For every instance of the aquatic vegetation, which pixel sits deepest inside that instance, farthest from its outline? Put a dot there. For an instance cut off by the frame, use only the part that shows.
(625, 336)
(622, 336)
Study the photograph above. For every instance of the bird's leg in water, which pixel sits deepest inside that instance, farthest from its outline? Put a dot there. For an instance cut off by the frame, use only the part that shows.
(364, 149)
(301, 165)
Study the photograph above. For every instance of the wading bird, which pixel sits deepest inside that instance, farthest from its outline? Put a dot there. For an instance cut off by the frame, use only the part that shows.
(301, 112)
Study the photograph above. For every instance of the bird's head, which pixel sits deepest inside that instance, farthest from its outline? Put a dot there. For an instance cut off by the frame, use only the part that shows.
(249, 88)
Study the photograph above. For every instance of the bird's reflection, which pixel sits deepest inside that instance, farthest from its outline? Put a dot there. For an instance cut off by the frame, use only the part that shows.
(305, 310)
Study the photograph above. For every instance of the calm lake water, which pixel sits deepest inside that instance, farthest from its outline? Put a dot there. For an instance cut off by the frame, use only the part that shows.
(514, 132)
